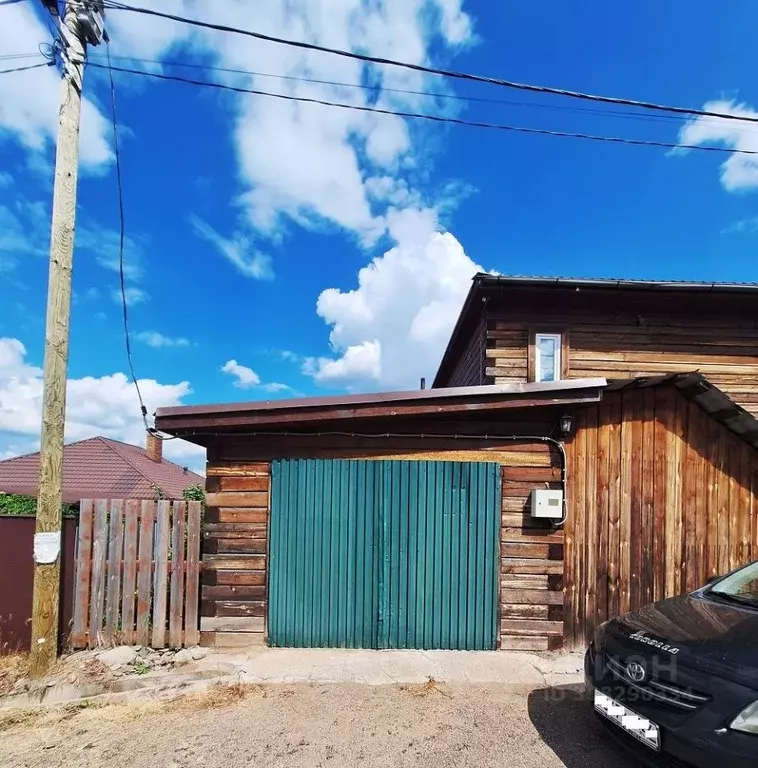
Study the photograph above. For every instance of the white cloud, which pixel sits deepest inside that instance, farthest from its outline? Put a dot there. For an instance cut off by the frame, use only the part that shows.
(276, 386)
(105, 405)
(358, 363)
(239, 251)
(303, 162)
(105, 245)
(5, 179)
(159, 341)
(133, 295)
(29, 100)
(738, 172)
(392, 329)
(743, 226)
(244, 377)
(24, 232)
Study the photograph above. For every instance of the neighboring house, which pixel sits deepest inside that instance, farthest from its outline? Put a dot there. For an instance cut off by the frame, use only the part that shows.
(101, 468)
(636, 400)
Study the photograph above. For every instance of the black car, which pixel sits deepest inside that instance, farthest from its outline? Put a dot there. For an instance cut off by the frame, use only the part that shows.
(677, 681)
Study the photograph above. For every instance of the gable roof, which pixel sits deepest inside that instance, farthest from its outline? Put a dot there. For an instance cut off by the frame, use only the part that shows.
(100, 468)
(484, 285)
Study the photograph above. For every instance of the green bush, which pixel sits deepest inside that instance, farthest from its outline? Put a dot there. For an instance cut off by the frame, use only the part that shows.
(16, 504)
(194, 493)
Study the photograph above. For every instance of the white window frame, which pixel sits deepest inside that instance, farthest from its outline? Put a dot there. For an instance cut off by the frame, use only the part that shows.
(558, 338)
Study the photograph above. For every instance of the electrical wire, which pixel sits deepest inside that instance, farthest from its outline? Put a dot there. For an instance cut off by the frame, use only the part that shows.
(432, 118)
(26, 68)
(10, 2)
(121, 238)
(627, 114)
(118, 6)
(10, 56)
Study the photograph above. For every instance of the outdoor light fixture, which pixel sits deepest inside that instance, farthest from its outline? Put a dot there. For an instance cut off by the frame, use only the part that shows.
(565, 425)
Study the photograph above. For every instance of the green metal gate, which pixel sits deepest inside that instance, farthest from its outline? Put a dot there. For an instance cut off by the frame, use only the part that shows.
(383, 554)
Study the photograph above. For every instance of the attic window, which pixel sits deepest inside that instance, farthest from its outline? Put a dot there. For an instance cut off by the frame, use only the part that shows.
(547, 356)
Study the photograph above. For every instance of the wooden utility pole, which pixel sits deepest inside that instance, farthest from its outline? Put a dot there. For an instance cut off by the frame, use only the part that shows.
(47, 540)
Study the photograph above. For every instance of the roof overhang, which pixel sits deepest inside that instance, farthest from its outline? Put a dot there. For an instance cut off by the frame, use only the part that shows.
(208, 420)
(696, 387)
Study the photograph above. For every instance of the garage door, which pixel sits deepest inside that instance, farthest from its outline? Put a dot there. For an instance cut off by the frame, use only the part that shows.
(383, 554)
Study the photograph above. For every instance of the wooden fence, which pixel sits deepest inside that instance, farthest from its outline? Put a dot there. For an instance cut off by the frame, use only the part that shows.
(137, 573)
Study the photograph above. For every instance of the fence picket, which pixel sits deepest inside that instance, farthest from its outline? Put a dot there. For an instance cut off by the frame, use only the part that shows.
(177, 574)
(160, 589)
(115, 558)
(191, 630)
(83, 574)
(125, 552)
(145, 572)
(99, 551)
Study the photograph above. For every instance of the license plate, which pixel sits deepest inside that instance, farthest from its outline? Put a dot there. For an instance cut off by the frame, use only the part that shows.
(628, 720)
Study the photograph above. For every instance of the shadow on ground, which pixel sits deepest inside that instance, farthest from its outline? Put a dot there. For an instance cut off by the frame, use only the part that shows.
(565, 722)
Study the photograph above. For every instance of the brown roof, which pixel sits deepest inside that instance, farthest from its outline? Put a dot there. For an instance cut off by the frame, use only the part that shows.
(100, 468)
(196, 423)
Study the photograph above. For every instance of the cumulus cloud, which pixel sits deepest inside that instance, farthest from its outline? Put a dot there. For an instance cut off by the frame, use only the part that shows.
(244, 377)
(29, 100)
(104, 405)
(159, 341)
(393, 327)
(302, 162)
(738, 172)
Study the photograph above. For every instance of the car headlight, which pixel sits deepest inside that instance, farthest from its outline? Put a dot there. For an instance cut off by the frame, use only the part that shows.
(747, 720)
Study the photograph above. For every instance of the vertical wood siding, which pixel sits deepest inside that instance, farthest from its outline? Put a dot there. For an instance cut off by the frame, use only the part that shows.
(661, 497)
(235, 554)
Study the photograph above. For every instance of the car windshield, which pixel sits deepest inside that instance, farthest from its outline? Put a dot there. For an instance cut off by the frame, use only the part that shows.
(741, 586)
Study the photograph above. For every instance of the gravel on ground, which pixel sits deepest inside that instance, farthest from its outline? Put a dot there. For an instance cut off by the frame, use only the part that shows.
(319, 726)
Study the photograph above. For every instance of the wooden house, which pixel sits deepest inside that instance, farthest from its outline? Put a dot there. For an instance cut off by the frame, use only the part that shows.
(405, 520)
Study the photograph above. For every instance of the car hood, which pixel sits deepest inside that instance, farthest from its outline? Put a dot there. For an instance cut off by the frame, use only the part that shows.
(699, 631)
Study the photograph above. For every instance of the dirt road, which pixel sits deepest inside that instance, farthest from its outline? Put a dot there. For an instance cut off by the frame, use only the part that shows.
(320, 726)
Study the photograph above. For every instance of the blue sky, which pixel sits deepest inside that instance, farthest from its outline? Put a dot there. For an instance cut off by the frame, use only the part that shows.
(248, 220)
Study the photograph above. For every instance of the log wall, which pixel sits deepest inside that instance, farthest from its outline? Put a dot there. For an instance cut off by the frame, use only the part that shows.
(234, 558)
(235, 554)
(624, 335)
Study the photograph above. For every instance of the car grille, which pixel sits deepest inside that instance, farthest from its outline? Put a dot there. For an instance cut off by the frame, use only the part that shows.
(664, 692)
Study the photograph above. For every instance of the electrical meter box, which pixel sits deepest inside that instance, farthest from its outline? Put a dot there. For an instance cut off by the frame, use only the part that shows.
(546, 504)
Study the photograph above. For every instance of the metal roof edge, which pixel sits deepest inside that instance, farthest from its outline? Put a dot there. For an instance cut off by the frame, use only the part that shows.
(631, 283)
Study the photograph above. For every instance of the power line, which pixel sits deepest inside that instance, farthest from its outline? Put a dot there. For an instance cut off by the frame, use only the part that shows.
(121, 237)
(10, 2)
(26, 68)
(432, 118)
(118, 6)
(380, 88)
(9, 56)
